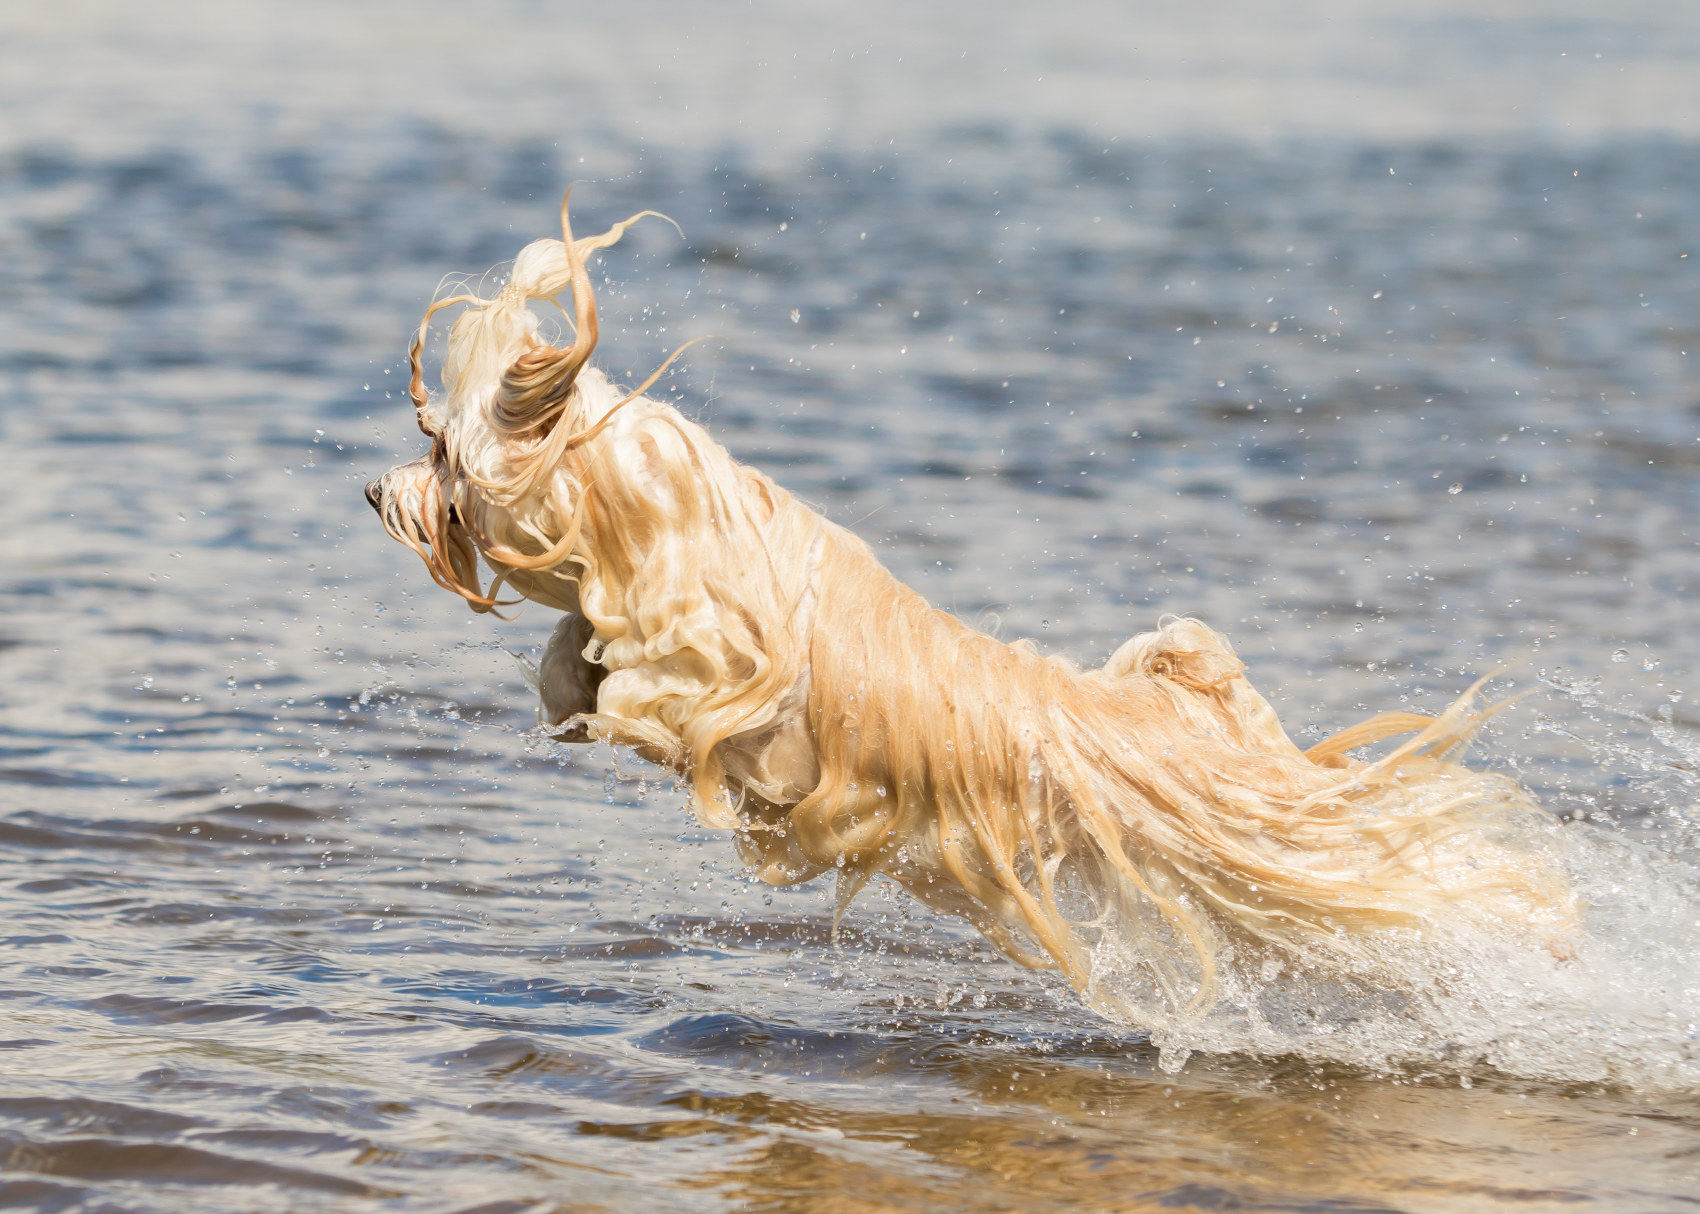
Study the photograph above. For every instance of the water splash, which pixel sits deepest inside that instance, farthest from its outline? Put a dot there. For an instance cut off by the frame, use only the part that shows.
(1621, 1007)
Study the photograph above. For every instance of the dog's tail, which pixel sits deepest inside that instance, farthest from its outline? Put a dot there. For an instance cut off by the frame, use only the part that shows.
(1155, 805)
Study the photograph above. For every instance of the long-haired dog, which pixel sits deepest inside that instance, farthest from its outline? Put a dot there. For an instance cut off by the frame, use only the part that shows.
(832, 720)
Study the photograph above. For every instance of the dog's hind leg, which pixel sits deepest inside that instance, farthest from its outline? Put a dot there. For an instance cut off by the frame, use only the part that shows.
(566, 679)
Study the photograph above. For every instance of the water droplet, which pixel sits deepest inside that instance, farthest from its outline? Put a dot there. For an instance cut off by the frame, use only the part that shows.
(796, 315)
(880, 789)
(1455, 487)
(1622, 655)
(1044, 623)
(1649, 663)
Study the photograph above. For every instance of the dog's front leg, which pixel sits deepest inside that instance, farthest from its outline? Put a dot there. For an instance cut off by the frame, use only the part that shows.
(566, 679)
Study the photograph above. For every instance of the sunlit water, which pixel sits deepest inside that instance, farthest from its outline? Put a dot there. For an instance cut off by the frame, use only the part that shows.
(299, 913)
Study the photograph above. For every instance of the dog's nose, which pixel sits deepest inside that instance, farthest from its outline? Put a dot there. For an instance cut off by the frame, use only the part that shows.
(375, 494)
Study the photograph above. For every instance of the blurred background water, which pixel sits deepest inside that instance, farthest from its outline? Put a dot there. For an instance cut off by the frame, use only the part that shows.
(1366, 332)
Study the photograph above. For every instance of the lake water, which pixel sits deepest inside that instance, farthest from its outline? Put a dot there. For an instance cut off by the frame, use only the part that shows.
(1369, 337)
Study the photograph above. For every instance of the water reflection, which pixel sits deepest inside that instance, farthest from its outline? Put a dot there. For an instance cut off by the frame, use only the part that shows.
(298, 915)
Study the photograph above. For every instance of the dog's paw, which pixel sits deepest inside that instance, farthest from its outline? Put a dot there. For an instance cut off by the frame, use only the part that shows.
(575, 730)
(567, 682)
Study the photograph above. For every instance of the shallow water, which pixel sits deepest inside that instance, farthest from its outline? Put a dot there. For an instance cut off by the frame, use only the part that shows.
(1275, 325)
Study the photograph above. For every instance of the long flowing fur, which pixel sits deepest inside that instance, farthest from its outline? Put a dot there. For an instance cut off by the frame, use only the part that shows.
(833, 721)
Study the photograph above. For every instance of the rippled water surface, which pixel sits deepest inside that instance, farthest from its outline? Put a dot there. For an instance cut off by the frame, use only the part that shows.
(1304, 327)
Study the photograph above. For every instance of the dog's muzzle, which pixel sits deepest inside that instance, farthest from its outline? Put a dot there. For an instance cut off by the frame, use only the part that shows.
(375, 495)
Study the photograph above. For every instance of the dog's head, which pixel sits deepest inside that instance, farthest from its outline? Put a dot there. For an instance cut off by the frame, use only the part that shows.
(693, 572)
(510, 409)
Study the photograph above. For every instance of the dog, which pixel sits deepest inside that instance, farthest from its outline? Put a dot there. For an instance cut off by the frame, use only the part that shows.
(833, 721)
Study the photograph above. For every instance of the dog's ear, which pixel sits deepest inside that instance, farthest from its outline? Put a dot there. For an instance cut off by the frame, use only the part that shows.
(423, 516)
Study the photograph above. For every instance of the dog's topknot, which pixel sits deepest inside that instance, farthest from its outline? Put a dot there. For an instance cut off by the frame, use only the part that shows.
(495, 350)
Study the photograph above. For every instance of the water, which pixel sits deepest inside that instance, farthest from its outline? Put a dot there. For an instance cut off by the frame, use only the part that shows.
(299, 915)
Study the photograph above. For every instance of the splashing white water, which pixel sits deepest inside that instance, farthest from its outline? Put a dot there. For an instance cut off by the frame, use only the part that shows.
(1453, 1000)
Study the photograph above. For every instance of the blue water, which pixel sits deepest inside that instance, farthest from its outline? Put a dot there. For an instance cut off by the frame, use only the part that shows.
(1369, 338)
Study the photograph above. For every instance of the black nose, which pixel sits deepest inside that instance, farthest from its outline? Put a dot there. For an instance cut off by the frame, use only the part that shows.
(375, 494)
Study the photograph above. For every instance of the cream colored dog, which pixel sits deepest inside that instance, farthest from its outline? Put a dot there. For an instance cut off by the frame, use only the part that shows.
(832, 720)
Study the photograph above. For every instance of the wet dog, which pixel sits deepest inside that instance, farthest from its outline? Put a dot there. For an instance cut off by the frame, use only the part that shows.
(831, 720)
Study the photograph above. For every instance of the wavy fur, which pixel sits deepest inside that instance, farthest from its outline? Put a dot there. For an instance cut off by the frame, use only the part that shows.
(832, 720)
